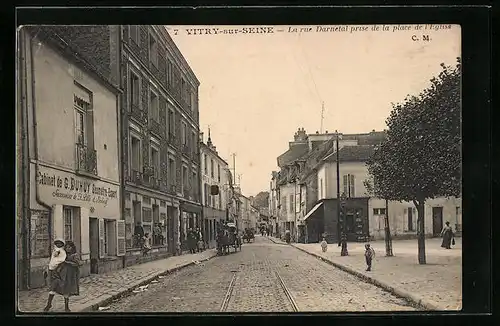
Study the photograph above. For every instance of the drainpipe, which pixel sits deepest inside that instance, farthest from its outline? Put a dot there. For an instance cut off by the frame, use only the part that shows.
(35, 143)
(25, 166)
(120, 124)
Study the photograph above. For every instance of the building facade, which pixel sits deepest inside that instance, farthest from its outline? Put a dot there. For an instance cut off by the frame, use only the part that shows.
(69, 185)
(215, 176)
(160, 131)
(365, 214)
(273, 203)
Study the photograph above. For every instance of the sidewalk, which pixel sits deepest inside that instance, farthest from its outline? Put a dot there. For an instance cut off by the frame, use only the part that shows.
(435, 286)
(99, 289)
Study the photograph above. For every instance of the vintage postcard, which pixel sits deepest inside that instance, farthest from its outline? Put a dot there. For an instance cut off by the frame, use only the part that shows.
(239, 168)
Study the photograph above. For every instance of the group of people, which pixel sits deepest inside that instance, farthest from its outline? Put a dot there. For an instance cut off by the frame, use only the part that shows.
(195, 240)
(63, 273)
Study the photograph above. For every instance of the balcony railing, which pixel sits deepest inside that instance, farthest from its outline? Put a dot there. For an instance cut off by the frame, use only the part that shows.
(156, 127)
(86, 159)
(146, 178)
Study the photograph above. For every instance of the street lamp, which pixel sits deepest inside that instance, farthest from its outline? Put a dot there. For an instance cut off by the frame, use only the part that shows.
(341, 201)
(343, 236)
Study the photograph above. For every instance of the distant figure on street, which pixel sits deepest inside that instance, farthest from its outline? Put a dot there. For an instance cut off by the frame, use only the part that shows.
(201, 243)
(447, 234)
(146, 244)
(369, 255)
(287, 236)
(324, 245)
(191, 239)
(138, 235)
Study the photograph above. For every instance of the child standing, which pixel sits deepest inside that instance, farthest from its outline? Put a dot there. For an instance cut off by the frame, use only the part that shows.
(58, 255)
(324, 245)
(369, 255)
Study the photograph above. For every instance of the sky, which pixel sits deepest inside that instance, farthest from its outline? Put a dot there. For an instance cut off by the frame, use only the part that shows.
(256, 90)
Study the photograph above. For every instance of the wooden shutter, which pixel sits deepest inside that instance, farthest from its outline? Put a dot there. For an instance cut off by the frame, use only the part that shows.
(345, 184)
(102, 253)
(405, 219)
(120, 238)
(351, 185)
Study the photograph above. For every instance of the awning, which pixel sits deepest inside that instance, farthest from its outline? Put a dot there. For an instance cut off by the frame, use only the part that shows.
(311, 212)
(190, 208)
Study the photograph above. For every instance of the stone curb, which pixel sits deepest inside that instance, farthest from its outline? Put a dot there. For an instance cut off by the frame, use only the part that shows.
(278, 242)
(94, 306)
(397, 292)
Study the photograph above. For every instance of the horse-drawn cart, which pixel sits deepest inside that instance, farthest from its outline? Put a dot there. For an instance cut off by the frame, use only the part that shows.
(248, 236)
(228, 238)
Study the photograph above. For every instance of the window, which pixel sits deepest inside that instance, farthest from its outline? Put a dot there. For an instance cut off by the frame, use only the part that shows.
(194, 184)
(183, 90)
(184, 178)
(206, 190)
(291, 203)
(349, 185)
(169, 73)
(155, 161)
(212, 168)
(84, 121)
(183, 133)
(171, 171)
(205, 163)
(193, 142)
(68, 223)
(135, 153)
(193, 101)
(134, 33)
(153, 50)
(135, 89)
(411, 211)
(171, 122)
(379, 211)
(154, 111)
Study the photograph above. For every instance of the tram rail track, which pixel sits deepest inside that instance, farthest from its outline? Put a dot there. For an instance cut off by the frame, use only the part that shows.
(230, 290)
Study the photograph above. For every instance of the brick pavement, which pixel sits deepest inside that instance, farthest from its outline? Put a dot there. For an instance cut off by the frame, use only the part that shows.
(98, 289)
(314, 285)
(436, 285)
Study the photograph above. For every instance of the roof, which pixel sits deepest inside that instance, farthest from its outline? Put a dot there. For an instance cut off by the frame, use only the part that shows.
(292, 154)
(359, 153)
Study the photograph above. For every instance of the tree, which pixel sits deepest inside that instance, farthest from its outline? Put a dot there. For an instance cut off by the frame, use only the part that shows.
(372, 190)
(421, 157)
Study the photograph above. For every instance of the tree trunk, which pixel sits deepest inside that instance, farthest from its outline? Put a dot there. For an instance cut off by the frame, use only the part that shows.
(388, 239)
(420, 231)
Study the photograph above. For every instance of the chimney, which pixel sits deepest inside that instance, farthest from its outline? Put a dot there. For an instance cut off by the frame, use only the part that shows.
(326, 131)
(317, 132)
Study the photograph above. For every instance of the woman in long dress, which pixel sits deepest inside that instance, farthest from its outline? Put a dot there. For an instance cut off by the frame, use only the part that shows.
(447, 234)
(66, 279)
(72, 279)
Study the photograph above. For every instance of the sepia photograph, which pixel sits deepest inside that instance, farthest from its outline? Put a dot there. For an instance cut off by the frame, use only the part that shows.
(238, 169)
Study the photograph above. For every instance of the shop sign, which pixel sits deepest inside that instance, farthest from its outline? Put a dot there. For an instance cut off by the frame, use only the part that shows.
(73, 188)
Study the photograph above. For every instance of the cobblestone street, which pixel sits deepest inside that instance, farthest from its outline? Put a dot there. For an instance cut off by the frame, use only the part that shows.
(313, 284)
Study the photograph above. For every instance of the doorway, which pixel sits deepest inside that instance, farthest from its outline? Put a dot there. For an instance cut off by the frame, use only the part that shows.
(94, 245)
(437, 220)
(170, 230)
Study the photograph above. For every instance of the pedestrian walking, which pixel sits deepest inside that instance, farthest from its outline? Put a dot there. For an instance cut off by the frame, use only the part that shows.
(324, 245)
(65, 278)
(369, 255)
(200, 243)
(146, 244)
(191, 239)
(448, 237)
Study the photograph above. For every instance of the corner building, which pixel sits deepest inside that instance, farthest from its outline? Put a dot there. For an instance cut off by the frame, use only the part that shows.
(160, 132)
(69, 186)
